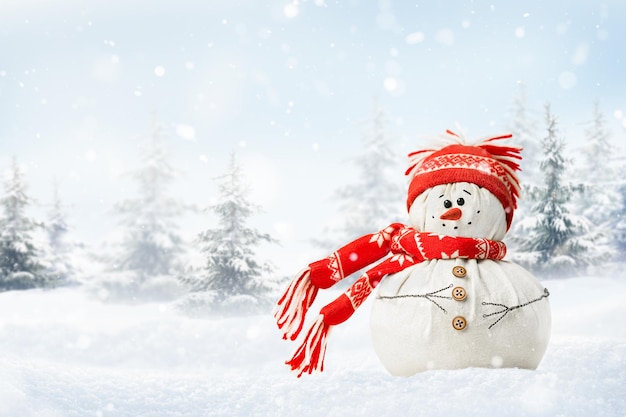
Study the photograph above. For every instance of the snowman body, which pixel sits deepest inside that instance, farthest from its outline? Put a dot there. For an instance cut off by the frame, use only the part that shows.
(455, 313)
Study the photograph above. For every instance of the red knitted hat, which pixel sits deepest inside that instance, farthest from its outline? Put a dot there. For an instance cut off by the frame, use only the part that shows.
(485, 164)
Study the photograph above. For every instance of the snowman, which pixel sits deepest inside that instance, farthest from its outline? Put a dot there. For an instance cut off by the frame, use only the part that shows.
(445, 298)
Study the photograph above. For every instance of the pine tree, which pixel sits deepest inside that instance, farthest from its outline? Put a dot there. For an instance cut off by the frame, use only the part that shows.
(553, 241)
(377, 198)
(20, 267)
(619, 223)
(601, 203)
(151, 243)
(59, 267)
(232, 279)
(524, 129)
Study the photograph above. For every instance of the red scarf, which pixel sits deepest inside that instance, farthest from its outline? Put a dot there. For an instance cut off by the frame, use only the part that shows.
(408, 247)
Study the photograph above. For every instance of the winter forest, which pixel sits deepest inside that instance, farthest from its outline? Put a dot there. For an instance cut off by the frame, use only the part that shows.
(167, 172)
(570, 224)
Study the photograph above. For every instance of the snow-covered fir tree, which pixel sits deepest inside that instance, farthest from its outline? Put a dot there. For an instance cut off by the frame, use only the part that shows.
(232, 279)
(377, 198)
(523, 126)
(601, 202)
(58, 264)
(552, 241)
(620, 220)
(20, 265)
(151, 243)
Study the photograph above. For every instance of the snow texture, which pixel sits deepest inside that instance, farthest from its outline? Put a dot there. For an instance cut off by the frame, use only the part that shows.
(63, 353)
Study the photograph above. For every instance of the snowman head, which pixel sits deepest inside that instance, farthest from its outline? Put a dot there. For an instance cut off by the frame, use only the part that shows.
(464, 190)
(459, 209)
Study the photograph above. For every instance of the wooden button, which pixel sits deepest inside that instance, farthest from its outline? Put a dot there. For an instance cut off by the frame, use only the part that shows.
(459, 293)
(459, 272)
(459, 323)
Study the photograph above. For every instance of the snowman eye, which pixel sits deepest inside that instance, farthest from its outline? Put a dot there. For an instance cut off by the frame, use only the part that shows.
(447, 204)
(460, 201)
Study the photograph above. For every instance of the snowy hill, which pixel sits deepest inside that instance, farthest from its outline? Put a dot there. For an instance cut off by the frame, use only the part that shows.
(64, 353)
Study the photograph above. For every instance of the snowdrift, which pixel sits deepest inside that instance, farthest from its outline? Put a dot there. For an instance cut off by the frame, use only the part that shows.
(65, 353)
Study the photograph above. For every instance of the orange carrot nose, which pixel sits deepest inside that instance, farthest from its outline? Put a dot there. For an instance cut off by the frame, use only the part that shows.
(452, 214)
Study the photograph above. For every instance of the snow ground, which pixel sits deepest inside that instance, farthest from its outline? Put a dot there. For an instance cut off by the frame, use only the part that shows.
(65, 353)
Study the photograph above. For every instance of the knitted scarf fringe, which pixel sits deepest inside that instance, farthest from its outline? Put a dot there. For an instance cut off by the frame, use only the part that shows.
(310, 355)
(292, 307)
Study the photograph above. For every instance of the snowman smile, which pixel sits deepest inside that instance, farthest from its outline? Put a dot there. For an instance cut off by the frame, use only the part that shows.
(452, 214)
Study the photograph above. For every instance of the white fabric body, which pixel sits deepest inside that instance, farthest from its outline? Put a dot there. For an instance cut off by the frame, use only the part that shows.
(414, 332)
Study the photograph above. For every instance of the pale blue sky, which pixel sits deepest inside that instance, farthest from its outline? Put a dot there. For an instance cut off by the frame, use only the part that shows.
(285, 82)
